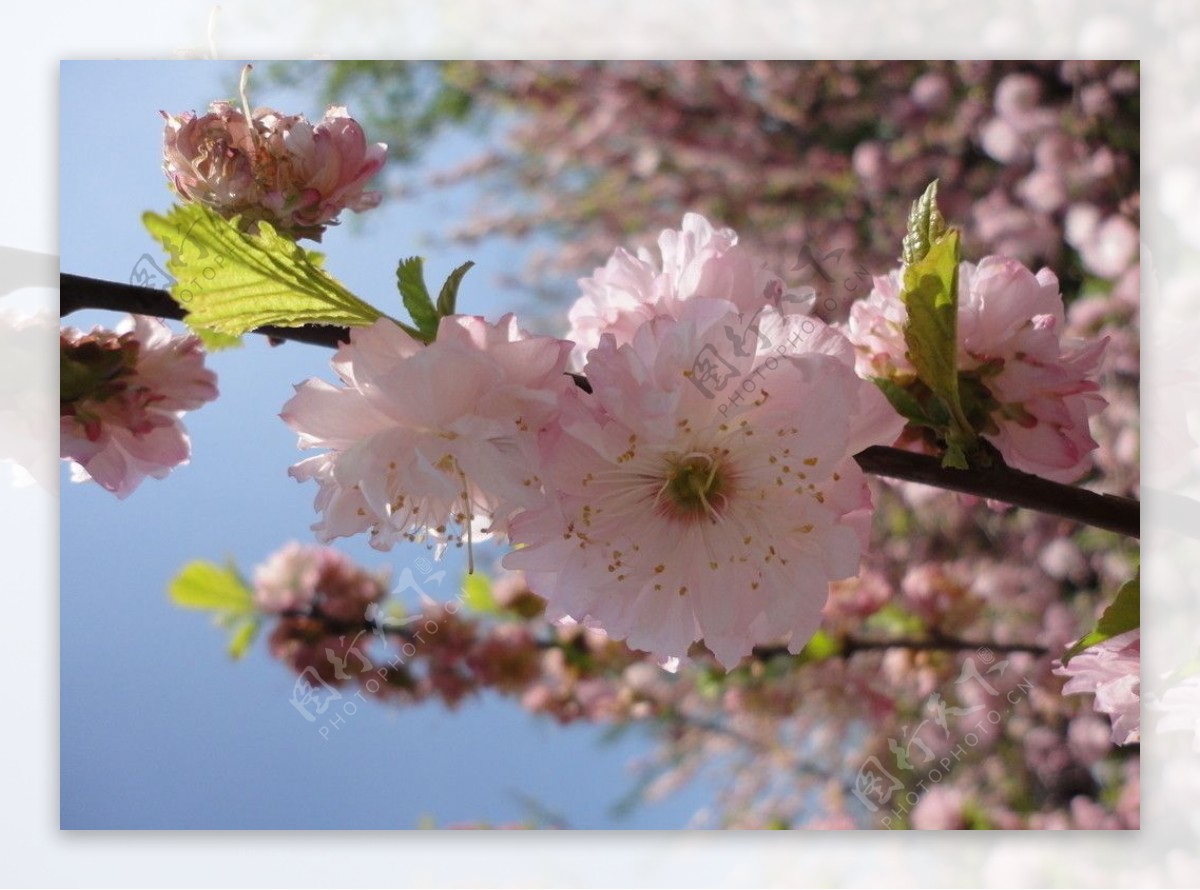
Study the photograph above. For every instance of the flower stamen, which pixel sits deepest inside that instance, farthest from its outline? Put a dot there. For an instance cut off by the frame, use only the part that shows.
(693, 483)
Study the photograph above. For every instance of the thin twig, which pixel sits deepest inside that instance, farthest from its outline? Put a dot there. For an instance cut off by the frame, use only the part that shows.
(850, 645)
(846, 646)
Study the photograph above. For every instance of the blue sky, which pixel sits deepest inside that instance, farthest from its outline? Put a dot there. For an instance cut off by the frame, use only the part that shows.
(159, 728)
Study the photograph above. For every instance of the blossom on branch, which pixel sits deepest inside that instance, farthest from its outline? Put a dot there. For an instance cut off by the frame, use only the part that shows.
(706, 489)
(1111, 671)
(123, 396)
(698, 260)
(274, 167)
(297, 578)
(434, 442)
(1030, 392)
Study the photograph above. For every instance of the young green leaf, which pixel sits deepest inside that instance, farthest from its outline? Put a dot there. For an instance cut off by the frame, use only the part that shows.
(448, 297)
(925, 226)
(955, 457)
(821, 647)
(215, 341)
(930, 295)
(231, 282)
(410, 277)
(243, 636)
(903, 401)
(931, 331)
(1123, 614)
(478, 594)
(213, 588)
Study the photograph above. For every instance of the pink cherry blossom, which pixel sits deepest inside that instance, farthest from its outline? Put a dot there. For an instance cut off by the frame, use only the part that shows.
(942, 808)
(1109, 247)
(300, 578)
(1111, 671)
(1010, 322)
(273, 167)
(434, 442)
(698, 260)
(702, 491)
(124, 394)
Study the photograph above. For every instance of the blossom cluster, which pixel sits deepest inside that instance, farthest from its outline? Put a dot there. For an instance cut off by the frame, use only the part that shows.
(676, 477)
(264, 165)
(699, 497)
(322, 601)
(124, 393)
(702, 490)
(1034, 392)
(790, 725)
(1038, 159)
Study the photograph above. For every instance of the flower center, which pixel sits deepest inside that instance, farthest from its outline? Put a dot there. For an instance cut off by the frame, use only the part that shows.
(696, 486)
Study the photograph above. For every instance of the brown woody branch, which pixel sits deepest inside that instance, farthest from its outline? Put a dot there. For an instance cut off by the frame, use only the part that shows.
(1117, 514)
(846, 646)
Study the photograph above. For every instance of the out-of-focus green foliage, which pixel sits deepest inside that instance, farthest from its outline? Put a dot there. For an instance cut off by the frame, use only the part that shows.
(404, 104)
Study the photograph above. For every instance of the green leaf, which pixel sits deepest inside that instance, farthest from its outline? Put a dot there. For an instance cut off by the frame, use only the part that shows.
(955, 457)
(448, 297)
(215, 341)
(903, 401)
(478, 594)
(820, 647)
(1123, 614)
(231, 282)
(410, 276)
(895, 620)
(925, 226)
(242, 637)
(930, 295)
(213, 588)
(709, 682)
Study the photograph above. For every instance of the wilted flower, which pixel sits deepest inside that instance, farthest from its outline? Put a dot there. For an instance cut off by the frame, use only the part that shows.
(433, 442)
(704, 492)
(123, 395)
(1036, 390)
(1111, 671)
(271, 166)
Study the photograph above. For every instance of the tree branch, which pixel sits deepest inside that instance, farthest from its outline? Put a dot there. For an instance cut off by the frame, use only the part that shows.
(1108, 511)
(850, 645)
(77, 292)
(1116, 514)
(847, 646)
